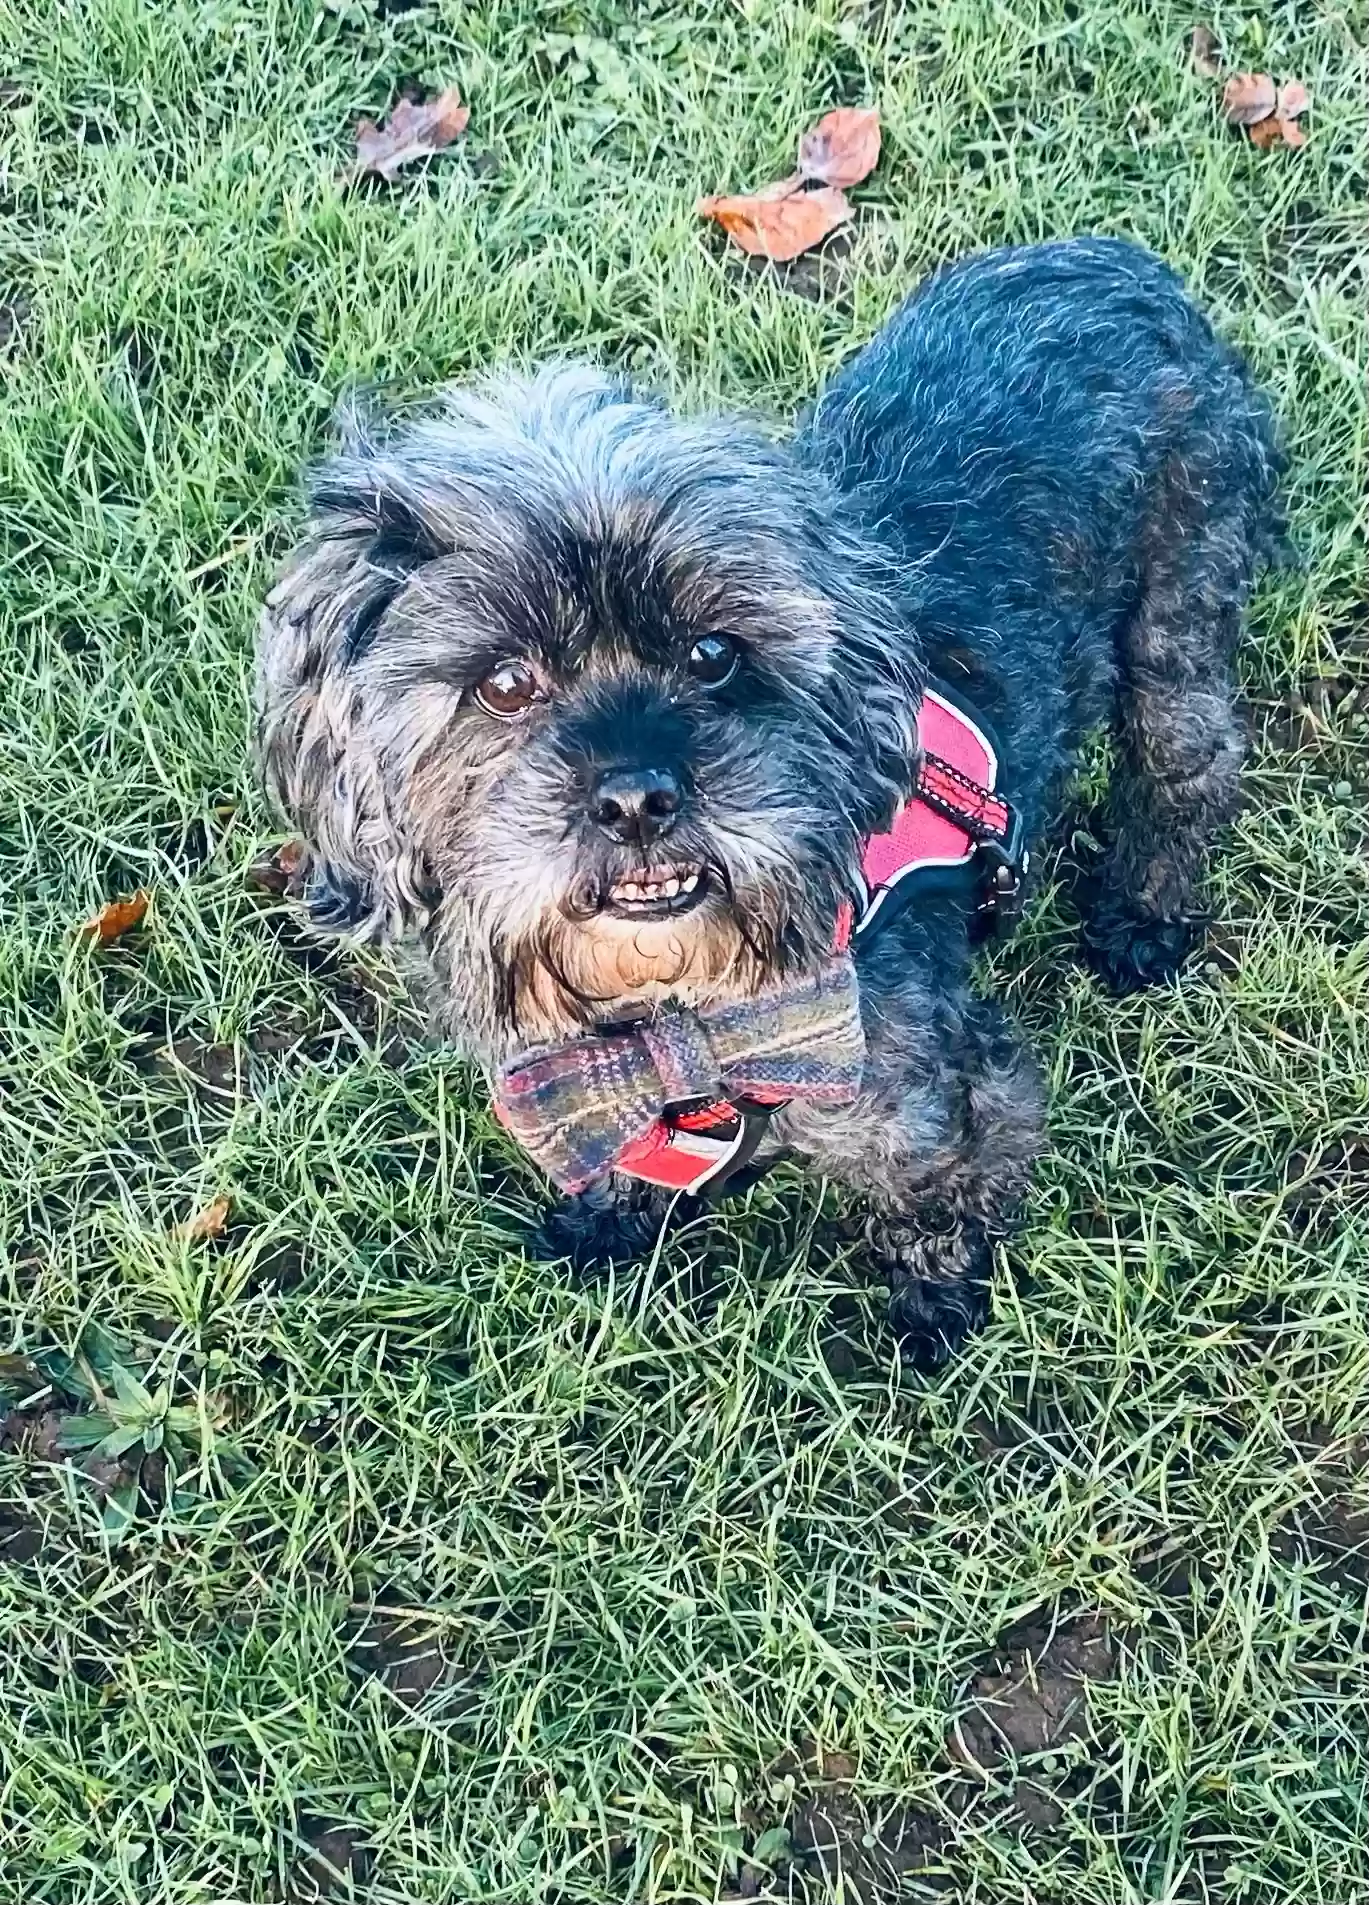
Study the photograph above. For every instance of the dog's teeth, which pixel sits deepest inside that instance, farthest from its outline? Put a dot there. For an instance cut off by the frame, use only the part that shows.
(645, 892)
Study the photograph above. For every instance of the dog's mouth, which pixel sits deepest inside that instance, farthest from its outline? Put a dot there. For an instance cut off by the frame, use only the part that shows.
(657, 892)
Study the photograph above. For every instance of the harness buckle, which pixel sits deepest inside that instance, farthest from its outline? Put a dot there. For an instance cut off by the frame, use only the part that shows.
(1005, 861)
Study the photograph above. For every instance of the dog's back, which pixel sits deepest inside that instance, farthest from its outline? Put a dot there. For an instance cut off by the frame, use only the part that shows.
(1014, 429)
(1082, 479)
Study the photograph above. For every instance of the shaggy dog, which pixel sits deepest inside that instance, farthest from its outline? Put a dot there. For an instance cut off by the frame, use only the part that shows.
(599, 709)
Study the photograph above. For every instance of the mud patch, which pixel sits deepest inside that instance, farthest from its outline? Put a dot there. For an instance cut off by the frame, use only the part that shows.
(843, 1341)
(21, 1539)
(213, 1067)
(1028, 1706)
(336, 1865)
(820, 275)
(14, 313)
(1333, 1537)
(38, 1437)
(405, 1653)
(1327, 1181)
(281, 1035)
(863, 1855)
(1174, 1571)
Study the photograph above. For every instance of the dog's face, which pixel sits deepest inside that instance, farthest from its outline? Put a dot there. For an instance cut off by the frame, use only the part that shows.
(601, 701)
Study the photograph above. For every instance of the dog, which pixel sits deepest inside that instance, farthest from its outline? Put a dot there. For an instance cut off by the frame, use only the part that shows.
(597, 709)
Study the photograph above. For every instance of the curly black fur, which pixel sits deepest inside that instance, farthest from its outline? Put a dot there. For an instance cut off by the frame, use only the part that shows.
(615, 1222)
(1045, 480)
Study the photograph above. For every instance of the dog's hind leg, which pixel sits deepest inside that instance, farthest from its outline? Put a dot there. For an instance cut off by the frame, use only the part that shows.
(1180, 740)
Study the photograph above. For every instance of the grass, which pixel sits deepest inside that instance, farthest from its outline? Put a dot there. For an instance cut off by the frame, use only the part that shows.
(450, 1581)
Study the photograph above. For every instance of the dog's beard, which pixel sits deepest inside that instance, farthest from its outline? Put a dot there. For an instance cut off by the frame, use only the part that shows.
(546, 927)
(580, 959)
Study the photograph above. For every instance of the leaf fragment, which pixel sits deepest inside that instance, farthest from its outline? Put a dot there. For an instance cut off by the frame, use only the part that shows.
(779, 228)
(414, 130)
(205, 1223)
(116, 918)
(842, 148)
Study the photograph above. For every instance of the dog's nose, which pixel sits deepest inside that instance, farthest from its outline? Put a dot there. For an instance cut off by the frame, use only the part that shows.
(635, 804)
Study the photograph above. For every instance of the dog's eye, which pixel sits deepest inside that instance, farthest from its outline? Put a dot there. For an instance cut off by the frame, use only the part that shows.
(508, 690)
(713, 660)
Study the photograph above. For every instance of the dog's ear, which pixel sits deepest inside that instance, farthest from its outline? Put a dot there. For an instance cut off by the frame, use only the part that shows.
(314, 748)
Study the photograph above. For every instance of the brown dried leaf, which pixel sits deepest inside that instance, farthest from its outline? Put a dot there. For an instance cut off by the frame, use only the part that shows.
(206, 1223)
(843, 147)
(116, 918)
(1248, 98)
(280, 870)
(778, 228)
(1204, 53)
(413, 131)
(782, 188)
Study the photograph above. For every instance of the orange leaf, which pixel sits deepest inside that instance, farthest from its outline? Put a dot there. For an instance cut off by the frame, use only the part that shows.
(1293, 134)
(843, 147)
(412, 131)
(117, 918)
(279, 871)
(1248, 98)
(1205, 53)
(782, 188)
(1269, 132)
(206, 1223)
(1293, 99)
(779, 228)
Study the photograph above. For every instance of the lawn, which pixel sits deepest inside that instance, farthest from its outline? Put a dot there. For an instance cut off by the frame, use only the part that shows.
(413, 1570)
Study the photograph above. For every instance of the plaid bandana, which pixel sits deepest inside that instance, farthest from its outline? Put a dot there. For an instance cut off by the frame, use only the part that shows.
(575, 1106)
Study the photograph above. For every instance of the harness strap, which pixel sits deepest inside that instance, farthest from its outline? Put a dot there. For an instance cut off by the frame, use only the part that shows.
(953, 795)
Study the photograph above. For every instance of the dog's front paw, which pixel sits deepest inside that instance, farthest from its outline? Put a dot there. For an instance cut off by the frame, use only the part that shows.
(938, 1285)
(613, 1222)
(1129, 948)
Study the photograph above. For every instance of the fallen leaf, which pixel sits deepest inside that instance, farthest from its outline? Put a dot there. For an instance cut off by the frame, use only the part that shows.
(1277, 132)
(116, 918)
(206, 1223)
(290, 857)
(1270, 113)
(843, 147)
(414, 130)
(782, 188)
(1247, 98)
(779, 228)
(1204, 53)
(279, 870)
